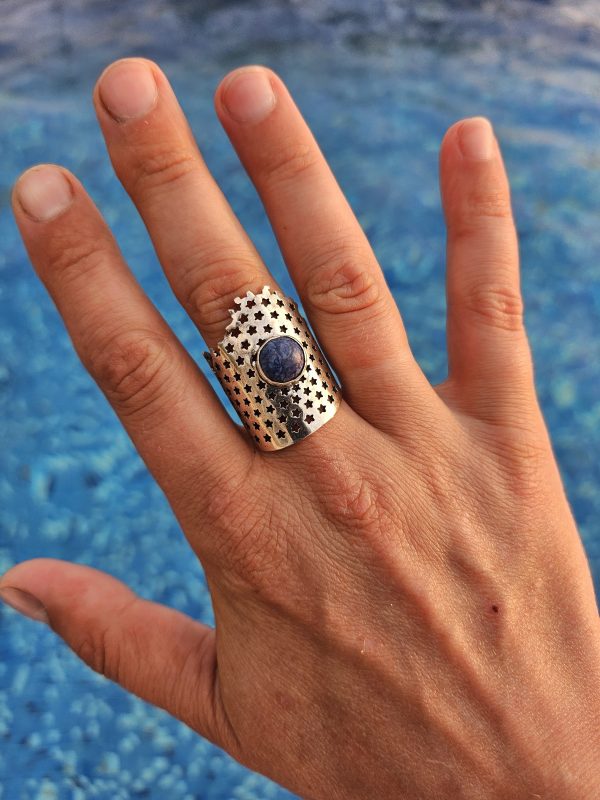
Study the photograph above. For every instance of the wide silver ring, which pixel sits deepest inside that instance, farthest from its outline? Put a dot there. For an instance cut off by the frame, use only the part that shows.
(273, 371)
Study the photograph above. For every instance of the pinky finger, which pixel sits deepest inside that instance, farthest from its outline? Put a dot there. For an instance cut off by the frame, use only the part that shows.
(489, 358)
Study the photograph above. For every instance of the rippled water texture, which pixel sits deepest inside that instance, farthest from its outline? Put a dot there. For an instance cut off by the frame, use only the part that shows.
(379, 88)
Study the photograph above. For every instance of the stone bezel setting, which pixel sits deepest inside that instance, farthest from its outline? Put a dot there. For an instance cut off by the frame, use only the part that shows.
(261, 371)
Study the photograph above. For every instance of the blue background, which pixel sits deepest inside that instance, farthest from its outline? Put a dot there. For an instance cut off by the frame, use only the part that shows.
(379, 87)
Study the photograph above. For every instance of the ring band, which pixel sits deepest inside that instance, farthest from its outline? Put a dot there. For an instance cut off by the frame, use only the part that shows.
(273, 371)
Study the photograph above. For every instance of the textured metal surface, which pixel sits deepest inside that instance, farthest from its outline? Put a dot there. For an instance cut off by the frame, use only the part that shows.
(275, 416)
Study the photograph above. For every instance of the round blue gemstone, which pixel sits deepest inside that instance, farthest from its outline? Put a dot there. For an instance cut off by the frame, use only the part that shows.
(281, 359)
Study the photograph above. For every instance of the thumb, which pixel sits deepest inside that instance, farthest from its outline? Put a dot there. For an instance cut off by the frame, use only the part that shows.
(159, 654)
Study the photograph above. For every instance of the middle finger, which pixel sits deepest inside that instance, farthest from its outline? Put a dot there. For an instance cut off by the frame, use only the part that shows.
(207, 256)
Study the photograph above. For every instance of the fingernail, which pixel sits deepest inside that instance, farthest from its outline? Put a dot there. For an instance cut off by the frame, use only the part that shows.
(44, 192)
(24, 603)
(128, 90)
(476, 139)
(248, 95)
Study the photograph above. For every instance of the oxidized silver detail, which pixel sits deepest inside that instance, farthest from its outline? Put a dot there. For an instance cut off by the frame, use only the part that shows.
(275, 415)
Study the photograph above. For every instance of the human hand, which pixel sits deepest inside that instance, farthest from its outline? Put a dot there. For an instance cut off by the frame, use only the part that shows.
(403, 606)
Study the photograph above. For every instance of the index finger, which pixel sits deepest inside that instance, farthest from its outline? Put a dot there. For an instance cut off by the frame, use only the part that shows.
(163, 400)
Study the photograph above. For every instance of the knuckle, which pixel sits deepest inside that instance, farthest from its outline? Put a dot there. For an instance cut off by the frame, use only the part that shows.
(341, 281)
(133, 369)
(355, 502)
(256, 551)
(158, 166)
(485, 204)
(224, 499)
(483, 210)
(249, 546)
(438, 477)
(212, 280)
(348, 497)
(499, 306)
(73, 259)
(289, 161)
(103, 647)
(523, 459)
(100, 654)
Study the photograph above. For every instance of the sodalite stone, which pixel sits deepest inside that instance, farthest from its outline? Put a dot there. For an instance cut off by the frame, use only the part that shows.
(281, 359)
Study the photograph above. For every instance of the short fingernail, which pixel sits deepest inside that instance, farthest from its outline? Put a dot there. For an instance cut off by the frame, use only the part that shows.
(476, 139)
(128, 90)
(44, 192)
(24, 603)
(248, 95)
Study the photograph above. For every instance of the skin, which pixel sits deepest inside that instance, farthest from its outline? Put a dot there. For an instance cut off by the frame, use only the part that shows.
(418, 619)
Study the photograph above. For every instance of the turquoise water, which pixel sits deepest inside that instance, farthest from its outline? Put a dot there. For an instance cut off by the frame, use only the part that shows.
(379, 88)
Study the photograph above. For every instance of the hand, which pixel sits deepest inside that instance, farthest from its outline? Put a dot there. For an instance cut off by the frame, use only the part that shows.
(403, 605)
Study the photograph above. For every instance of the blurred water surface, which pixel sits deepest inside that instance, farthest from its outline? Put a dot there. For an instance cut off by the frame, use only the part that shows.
(379, 82)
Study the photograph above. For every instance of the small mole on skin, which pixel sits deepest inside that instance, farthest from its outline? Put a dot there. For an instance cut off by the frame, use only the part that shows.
(495, 609)
(284, 700)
